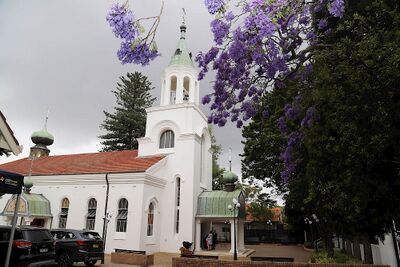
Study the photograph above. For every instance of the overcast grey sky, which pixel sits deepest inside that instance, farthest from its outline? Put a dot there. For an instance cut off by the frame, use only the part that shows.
(61, 55)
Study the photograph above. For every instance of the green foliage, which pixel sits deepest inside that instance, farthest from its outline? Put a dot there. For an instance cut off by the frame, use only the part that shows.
(217, 171)
(260, 212)
(338, 257)
(349, 171)
(128, 121)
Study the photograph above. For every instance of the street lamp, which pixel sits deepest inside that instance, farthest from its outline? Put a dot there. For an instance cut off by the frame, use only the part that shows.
(234, 207)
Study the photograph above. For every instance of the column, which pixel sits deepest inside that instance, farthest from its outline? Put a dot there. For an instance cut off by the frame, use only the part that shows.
(232, 236)
(240, 235)
(198, 235)
(162, 100)
(179, 90)
(167, 92)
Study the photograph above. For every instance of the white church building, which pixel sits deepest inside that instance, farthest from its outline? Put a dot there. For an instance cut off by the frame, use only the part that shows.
(146, 199)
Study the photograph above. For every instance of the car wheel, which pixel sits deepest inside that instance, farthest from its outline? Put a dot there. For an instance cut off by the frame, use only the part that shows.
(90, 263)
(64, 260)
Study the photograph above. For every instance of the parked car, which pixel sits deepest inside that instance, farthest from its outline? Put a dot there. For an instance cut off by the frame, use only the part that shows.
(77, 246)
(32, 246)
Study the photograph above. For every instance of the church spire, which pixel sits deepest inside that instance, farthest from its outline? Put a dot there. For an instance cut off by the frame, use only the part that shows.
(182, 56)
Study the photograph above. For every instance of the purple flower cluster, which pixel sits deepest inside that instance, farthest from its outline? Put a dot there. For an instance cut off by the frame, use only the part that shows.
(263, 42)
(214, 6)
(121, 21)
(136, 54)
(336, 8)
(133, 48)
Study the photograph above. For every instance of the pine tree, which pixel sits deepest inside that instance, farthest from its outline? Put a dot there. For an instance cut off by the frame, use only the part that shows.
(128, 121)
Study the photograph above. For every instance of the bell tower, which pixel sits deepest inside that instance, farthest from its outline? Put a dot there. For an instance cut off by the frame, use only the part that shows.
(178, 130)
(179, 80)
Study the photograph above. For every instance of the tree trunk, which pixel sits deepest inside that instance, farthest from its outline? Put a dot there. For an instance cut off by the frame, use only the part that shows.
(348, 247)
(367, 249)
(329, 246)
(356, 247)
(343, 245)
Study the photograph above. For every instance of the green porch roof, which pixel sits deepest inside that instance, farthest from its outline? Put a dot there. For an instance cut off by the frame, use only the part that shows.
(214, 204)
(31, 205)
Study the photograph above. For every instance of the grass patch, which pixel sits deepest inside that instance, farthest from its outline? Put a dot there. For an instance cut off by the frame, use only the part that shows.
(338, 257)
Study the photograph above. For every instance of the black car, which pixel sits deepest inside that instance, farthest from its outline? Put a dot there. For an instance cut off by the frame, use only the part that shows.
(77, 246)
(32, 246)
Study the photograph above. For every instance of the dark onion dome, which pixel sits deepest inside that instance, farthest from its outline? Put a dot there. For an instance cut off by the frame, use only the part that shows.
(42, 137)
(229, 177)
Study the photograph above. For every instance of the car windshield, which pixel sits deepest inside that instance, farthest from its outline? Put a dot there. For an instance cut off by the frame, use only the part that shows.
(37, 235)
(90, 235)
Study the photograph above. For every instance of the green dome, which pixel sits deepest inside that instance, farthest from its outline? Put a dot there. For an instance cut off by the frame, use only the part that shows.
(28, 183)
(229, 177)
(42, 137)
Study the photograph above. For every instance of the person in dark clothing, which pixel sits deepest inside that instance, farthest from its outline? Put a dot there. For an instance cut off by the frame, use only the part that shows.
(215, 238)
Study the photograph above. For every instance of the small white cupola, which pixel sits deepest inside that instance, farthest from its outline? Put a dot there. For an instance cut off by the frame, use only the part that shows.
(179, 82)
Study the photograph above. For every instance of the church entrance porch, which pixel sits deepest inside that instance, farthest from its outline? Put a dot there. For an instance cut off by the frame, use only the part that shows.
(223, 231)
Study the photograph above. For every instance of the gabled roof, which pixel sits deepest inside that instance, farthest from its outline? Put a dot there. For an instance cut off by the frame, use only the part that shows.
(89, 163)
(12, 142)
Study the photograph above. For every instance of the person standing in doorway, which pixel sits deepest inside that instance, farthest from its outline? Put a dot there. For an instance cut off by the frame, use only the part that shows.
(209, 240)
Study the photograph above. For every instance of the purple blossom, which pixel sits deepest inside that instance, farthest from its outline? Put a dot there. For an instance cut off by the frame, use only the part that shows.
(140, 54)
(336, 8)
(214, 6)
(206, 99)
(309, 118)
(220, 30)
(121, 22)
(322, 24)
(292, 112)
(282, 125)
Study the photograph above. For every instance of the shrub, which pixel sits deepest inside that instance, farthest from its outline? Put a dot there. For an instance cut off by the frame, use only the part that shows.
(338, 257)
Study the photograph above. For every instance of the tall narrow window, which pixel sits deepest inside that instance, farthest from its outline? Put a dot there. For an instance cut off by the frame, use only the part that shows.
(186, 89)
(167, 139)
(62, 223)
(178, 202)
(150, 220)
(174, 82)
(91, 215)
(122, 216)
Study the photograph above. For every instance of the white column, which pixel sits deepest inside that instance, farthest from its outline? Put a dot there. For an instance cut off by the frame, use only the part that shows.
(198, 235)
(162, 91)
(167, 92)
(232, 236)
(179, 90)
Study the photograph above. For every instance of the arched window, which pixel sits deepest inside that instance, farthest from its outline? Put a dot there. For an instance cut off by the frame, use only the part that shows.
(178, 203)
(91, 215)
(186, 89)
(167, 139)
(122, 216)
(150, 220)
(62, 223)
(174, 82)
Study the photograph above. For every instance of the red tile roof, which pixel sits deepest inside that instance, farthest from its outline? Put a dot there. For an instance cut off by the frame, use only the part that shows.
(101, 162)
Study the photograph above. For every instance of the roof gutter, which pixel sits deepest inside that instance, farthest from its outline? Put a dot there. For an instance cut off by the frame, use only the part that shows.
(105, 218)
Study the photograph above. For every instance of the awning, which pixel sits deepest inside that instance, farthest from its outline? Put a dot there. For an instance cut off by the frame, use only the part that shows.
(214, 204)
(31, 205)
(122, 215)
